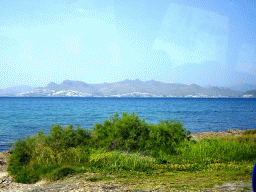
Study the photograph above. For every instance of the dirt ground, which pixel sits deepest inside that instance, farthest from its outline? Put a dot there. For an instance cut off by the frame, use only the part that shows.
(230, 132)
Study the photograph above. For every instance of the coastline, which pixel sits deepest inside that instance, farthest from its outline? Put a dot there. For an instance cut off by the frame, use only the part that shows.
(212, 134)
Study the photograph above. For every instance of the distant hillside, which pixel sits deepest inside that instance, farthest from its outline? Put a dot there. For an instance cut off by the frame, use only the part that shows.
(127, 88)
(72, 85)
(250, 94)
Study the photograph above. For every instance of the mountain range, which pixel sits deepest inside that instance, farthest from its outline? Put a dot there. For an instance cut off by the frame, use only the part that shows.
(126, 88)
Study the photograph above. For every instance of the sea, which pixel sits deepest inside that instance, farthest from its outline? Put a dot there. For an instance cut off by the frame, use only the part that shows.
(25, 116)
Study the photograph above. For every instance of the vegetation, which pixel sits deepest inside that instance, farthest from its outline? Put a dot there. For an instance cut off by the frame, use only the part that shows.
(162, 153)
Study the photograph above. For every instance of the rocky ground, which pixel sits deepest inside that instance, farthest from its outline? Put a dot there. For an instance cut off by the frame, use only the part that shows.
(230, 132)
(80, 183)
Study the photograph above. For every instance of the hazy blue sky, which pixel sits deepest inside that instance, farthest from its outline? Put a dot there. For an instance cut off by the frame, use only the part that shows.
(207, 42)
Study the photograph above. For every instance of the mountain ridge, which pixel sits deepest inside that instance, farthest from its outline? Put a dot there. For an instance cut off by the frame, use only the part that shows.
(125, 88)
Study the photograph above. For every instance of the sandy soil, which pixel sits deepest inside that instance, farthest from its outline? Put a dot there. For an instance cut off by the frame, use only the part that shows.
(230, 132)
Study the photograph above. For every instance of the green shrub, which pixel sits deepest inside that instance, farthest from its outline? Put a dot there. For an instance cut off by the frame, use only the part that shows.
(35, 156)
(128, 133)
(61, 172)
(133, 134)
(166, 137)
(68, 137)
(120, 144)
(21, 155)
(249, 132)
(27, 175)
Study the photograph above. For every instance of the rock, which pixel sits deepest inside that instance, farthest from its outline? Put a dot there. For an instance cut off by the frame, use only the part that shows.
(3, 163)
(230, 131)
(3, 174)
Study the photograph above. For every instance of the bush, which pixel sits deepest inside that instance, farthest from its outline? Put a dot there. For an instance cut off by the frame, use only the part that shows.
(68, 137)
(249, 132)
(132, 134)
(40, 155)
(166, 137)
(125, 140)
(61, 172)
(128, 133)
(21, 155)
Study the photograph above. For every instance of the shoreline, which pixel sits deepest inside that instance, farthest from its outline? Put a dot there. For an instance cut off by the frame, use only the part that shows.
(212, 134)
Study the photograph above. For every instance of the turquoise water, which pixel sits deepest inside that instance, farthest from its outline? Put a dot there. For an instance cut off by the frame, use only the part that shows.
(20, 117)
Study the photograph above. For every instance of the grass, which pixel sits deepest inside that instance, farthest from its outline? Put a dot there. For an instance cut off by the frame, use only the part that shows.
(136, 154)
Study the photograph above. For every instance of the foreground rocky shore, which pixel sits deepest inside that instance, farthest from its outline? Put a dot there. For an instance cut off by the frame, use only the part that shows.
(230, 132)
(81, 183)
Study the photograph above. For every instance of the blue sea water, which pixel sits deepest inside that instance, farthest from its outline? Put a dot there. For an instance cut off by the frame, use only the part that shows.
(20, 117)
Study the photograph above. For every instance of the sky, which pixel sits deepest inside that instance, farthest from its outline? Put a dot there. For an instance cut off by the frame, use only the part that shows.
(206, 42)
